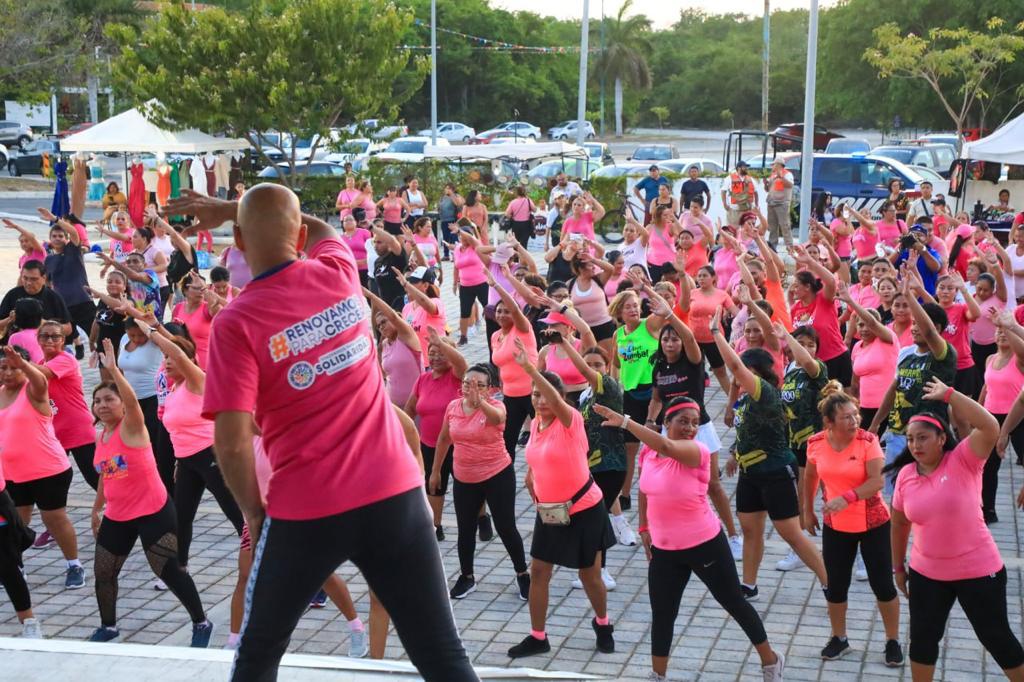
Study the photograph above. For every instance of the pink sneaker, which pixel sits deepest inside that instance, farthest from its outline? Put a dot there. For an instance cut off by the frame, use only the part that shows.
(44, 539)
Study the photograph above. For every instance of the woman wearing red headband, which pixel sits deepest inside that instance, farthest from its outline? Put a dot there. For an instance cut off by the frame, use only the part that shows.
(954, 557)
(681, 534)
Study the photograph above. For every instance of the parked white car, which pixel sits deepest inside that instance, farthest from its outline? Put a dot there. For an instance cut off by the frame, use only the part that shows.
(355, 150)
(408, 149)
(566, 130)
(520, 129)
(682, 166)
(451, 131)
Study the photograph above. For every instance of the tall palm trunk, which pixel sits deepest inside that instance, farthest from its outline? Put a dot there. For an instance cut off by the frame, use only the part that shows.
(618, 107)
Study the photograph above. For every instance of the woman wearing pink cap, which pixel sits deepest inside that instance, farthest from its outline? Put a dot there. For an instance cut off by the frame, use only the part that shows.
(953, 557)
(570, 326)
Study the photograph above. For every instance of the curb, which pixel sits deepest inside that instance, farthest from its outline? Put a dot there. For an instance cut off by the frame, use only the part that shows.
(26, 195)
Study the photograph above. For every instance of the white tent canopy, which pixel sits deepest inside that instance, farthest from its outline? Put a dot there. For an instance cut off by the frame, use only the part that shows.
(520, 152)
(132, 132)
(1005, 145)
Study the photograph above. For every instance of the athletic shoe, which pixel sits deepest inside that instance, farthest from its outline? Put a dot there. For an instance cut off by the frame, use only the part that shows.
(463, 586)
(201, 633)
(789, 562)
(625, 502)
(484, 528)
(319, 601)
(835, 649)
(736, 547)
(463, 341)
(860, 571)
(623, 533)
(530, 646)
(605, 640)
(79, 351)
(75, 578)
(609, 581)
(439, 533)
(523, 581)
(893, 654)
(44, 539)
(104, 634)
(577, 584)
(30, 629)
(358, 644)
(750, 593)
(159, 585)
(773, 672)
(655, 677)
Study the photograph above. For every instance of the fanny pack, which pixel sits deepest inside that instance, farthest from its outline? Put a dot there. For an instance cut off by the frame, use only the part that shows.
(557, 513)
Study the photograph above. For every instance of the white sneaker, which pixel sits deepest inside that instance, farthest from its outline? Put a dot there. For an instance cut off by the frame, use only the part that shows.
(736, 547)
(159, 585)
(773, 672)
(609, 581)
(788, 563)
(655, 677)
(577, 584)
(358, 644)
(623, 532)
(860, 571)
(30, 629)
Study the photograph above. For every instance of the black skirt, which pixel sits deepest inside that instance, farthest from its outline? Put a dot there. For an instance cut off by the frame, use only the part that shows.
(575, 545)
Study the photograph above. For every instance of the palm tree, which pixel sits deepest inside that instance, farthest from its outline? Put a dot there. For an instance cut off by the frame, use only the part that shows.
(624, 59)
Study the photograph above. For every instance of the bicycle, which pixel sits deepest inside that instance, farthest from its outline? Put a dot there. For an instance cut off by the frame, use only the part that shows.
(610, 226)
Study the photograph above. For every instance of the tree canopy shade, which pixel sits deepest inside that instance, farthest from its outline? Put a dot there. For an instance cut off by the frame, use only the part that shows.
(301, 69)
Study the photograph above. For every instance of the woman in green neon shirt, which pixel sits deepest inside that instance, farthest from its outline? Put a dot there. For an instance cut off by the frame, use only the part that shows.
(635, 344)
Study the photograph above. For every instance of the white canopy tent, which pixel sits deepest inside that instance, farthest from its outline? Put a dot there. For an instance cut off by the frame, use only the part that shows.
(519, 152)
(1005, 145)
(131, 132)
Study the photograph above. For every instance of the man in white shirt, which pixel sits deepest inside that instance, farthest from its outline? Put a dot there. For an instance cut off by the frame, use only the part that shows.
(922, 206)
(563, 188)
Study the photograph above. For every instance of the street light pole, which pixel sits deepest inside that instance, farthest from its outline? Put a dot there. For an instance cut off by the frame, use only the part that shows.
(581, 103)
(765, 60)
(807, 160)
(602, 68)
(433, 72)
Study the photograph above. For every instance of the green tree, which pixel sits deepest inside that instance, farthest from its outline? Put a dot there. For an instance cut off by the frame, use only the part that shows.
(624, 59)
(957, 64)
(660, 113)
(303, 70)
(35, 41)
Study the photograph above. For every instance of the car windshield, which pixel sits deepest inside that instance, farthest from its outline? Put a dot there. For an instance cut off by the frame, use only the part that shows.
(564, 124)
(270, 138)
(354, 147)
(303, 142)
(406, 147)
(901, 155)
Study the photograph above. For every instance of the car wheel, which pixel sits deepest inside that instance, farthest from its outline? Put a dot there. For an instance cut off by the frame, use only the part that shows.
(533, 137)
(465, 140)
(590, 136)
(560, 137)
(23, 141)
(12, 169)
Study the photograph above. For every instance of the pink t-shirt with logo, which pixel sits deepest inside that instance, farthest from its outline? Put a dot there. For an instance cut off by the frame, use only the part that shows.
(678, 513)
(479, 447)
(583, 225)
(432, 399)
(956, 332)
(469, 265)
(557, 456)
(309, 372)
(821, 314)
(950, 538)
(72, 420)
(875, 365)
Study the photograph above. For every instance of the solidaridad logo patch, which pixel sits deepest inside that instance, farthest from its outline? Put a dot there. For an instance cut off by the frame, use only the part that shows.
(301, 375)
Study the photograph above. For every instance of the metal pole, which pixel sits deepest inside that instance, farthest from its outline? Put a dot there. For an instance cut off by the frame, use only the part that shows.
(602, 69)
(433, 72)
(581, 102)
(765, 60)
(807, 160)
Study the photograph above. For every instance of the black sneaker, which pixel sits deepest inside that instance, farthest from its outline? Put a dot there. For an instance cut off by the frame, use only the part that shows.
(439, 533)
(836, 649)
(463, 341)
(625, 502)
(484, 528)
(463, 586)
(893, 654)
(523, 581)
(530, 646)
(319, 600)
(79, 351)
(749, 593)
(524, 438)
(605, 641)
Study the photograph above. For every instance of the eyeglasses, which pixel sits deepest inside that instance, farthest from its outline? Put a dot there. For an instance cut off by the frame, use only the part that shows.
(50, 337)
(474, 384)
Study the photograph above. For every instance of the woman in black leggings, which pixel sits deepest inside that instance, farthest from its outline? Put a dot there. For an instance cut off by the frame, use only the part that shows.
(848, 461)
(483, 472)
(954, 557)
(15, 537)
(131, 502)
(681, 534)
(191, 436)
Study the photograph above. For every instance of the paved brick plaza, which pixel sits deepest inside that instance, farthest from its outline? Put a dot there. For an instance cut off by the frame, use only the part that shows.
(708, 645)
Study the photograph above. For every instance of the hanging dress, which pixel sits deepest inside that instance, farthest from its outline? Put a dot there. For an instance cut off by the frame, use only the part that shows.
(198, 175)
(210, 166)
(176, 179)
(184, 179)
(163, 184)
(61, 205)
(137, 195)
(97, 188)
(79, 185)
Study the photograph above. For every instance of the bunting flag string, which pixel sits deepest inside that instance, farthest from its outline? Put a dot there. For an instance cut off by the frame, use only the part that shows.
(487, 44)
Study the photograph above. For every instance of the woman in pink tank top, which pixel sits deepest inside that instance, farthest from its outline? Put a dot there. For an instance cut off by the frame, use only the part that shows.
(588, 296)
(1003, 381)
(661, 241)
(399, 351)
(393, 209)
(35, 467)
(191, 437)
(552, 358)
(194, 313)
(874, 357)
(131, 502)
